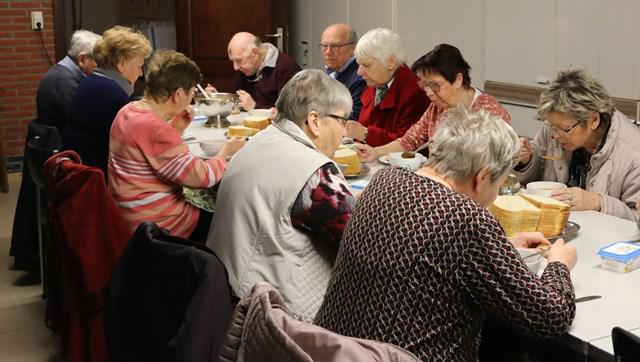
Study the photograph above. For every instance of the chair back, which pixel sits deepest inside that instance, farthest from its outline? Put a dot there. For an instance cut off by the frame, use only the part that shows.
(39, 149)
(626, 346)
(168, 300)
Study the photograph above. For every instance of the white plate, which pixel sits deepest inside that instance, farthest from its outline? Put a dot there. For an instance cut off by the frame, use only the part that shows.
(199, 118)
(236, 119)
(386, 159)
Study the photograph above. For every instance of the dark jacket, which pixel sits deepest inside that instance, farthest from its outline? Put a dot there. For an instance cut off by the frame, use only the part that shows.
(169, 300)
(94, 107)
(350, 78)
(55, 92)
(400, 108)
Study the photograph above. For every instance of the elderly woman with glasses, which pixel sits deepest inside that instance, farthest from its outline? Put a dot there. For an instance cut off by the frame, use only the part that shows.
(392, 100)
(423, 262)
(283, 203)
(444, 76)
(149, 164)
(587, 144)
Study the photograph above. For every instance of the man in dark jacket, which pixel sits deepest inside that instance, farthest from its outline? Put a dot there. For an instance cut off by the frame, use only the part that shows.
(58, 85)
(337, 44)
(53, 102)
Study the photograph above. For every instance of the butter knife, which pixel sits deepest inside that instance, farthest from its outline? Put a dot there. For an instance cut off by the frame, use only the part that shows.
(587, 298)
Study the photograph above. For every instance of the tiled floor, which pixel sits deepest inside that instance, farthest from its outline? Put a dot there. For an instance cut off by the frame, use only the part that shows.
(23, 335)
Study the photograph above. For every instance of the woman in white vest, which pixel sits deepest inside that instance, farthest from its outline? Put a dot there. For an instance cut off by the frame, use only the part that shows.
(283, 203)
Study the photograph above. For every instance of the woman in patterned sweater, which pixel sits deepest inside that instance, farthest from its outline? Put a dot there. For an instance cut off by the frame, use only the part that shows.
(422, 261)
(149, 164)
(444, 76)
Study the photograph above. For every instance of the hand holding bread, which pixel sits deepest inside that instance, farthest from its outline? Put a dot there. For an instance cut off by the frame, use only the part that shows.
(182, 120)
(231, 146)
(529, 239)
(562, 252)
(366, 152)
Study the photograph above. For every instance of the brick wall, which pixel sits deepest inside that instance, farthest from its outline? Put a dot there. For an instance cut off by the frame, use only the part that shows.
(22, 65)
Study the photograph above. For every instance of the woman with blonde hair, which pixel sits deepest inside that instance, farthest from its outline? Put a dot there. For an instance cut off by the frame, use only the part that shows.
(119, 55)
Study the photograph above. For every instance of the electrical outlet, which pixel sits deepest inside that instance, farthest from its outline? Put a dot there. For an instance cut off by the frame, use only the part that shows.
(37, 22)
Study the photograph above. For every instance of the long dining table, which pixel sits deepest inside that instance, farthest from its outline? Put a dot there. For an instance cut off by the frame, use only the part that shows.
(619, 294)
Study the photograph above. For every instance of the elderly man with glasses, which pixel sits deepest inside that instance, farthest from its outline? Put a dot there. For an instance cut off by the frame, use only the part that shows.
(587, 144)
(337, 45)
(261, 70)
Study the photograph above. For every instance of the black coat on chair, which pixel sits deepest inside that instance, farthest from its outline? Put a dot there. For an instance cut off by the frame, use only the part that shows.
(169, 300)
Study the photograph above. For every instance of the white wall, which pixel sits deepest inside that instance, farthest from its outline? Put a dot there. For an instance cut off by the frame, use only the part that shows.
(513, 41)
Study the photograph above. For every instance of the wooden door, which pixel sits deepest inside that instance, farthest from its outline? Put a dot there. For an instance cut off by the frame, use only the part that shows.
(204, 27)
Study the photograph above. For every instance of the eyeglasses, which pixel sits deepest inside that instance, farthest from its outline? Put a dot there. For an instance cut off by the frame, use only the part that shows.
(434, 86)
(325, 47)
(565, 130)
(342, 120)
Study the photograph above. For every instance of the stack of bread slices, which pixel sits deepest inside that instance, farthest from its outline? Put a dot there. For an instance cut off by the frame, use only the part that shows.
(523, 212)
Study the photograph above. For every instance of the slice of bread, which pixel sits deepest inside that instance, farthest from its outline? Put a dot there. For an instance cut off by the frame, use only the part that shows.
(349, 157)
(515, 214)
(259, 122)
(241, 131)
(554, 214)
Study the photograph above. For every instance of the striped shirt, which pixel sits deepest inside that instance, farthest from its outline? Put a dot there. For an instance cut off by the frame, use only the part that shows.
(149, 164)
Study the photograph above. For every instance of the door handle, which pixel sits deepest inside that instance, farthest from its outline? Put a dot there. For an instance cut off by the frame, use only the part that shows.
(279, 35)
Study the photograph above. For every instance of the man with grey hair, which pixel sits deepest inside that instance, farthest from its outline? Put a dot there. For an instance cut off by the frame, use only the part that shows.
(283, 203)
(337, 45)
(261, 70)
(392, 100)
(53, 103)
(53, 99)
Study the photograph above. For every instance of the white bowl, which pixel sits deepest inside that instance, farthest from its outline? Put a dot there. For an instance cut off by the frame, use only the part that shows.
(409, 164)
(211, 147)
(533, 263)
(544, 188)
(263, 112)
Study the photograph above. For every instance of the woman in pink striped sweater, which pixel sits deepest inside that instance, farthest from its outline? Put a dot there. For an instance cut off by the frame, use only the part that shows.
(149, 164)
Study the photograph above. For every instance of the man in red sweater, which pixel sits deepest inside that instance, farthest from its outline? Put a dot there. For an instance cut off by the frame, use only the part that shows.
(261, 70)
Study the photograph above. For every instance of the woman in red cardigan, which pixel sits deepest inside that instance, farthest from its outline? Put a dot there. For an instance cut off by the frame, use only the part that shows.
(392, 100)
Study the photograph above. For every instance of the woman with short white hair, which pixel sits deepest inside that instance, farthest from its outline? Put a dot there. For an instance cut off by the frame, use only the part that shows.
(433, 259)
(283, 203)
(392, 100)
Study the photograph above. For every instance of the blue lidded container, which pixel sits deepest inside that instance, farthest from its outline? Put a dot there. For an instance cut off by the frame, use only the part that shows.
(621, 256)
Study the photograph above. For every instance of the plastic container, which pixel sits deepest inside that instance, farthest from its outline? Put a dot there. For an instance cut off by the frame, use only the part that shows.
(621, 256)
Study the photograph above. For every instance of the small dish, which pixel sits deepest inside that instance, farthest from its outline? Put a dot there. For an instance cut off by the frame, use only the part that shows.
(570, 230)
(544, 188)
(386, 159)
(364, 171)
(263, 112)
